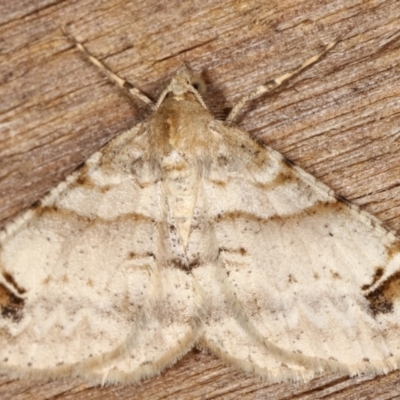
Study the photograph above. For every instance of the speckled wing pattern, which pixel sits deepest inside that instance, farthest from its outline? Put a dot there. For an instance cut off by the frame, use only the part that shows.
(85, 278)
(185, 232)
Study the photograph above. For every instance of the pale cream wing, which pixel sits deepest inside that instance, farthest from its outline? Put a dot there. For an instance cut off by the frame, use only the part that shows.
(222, 331)
(82, 275)
(156, 341)
(311, 277)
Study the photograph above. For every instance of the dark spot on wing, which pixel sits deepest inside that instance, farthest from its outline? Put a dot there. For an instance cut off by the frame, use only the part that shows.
(241, 250)
(394, 249)
(285, 177)
(194, 263)
(42, 210)
(10, 279)
(223, 161)
(11, 306)
(219, 182)
(335, 275)
(84, 180)
(382, 298)
(131, 254)
(179, 264)
(184, 265)
(377, 275)
(172, 228)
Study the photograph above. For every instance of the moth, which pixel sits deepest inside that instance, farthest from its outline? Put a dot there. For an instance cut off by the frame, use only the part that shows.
(185, 232)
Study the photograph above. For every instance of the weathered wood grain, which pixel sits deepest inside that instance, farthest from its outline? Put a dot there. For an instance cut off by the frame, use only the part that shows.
(338, 120)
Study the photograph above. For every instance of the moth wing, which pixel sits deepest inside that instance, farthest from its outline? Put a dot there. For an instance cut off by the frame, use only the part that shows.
(162, 337)
(310, 277)
(81, 274)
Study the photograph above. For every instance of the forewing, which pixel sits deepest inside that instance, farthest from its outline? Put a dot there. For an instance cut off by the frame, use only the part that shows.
(303, 271)
(81, 273)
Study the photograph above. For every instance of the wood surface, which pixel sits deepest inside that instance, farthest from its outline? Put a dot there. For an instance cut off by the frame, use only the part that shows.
(339, 120)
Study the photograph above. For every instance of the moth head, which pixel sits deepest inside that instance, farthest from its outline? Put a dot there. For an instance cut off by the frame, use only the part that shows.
(182, 84)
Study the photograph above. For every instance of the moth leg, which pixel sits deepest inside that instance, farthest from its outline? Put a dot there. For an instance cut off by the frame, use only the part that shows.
(122, 83)
(275, 83)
